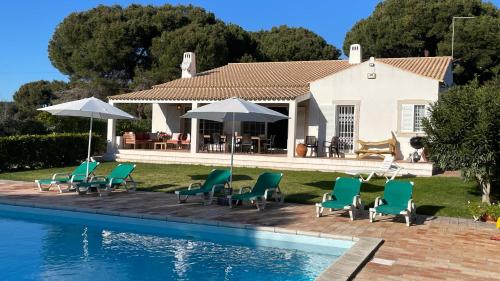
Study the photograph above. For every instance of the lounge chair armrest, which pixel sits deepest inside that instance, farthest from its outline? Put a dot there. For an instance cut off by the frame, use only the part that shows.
(243, 187)
(77, 175)
(377, 201)
(61, 174)
(198, 184)
(411, 206)
(267, 191)
(356, 201)
(327, 196)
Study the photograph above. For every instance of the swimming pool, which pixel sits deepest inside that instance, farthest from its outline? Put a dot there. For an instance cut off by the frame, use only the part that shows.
(44, 244)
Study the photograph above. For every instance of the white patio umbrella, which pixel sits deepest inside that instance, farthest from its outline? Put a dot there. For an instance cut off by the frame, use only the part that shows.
(234, 109)
(89, 107)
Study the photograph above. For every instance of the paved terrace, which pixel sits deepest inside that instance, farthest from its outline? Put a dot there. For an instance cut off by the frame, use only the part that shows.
(437, 248)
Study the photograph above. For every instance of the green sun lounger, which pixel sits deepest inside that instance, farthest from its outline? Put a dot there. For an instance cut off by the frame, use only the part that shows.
(267, 186)
(215, 181)
(397, 200)
(119, 176)
(69, 179)
(345, 196)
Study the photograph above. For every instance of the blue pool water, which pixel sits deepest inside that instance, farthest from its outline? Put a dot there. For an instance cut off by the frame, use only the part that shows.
(42, 244)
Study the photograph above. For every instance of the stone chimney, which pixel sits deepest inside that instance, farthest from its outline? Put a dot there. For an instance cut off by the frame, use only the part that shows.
(355, 54)
(188, 65)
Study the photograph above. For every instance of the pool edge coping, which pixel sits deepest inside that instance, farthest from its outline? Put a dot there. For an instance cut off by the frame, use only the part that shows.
(344, 268)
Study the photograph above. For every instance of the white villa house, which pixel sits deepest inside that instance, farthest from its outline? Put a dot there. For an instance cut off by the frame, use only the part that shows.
(373, 100)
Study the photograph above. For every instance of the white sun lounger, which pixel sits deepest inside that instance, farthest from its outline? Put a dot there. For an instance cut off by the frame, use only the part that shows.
(388, 169)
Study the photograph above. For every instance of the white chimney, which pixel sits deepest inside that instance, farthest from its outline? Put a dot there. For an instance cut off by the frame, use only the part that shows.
(355, 54)
(188, 65)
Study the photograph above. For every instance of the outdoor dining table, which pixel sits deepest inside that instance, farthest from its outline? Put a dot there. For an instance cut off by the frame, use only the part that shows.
(239, 137)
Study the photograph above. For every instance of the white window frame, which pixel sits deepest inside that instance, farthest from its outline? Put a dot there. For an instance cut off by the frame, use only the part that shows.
(407, 114)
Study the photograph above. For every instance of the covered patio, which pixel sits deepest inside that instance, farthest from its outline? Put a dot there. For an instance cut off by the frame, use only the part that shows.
(169, 132)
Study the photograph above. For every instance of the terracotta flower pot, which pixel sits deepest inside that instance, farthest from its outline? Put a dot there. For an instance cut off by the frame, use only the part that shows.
(301, 150)
(488, 218)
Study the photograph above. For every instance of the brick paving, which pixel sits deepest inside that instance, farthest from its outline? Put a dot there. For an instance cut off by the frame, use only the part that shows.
(436, 248)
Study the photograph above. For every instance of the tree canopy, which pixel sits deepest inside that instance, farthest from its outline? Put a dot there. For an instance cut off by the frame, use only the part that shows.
(463, 133)
(215, 45)
(292, 44)
(401, 28)
(33, 95)
(111, 49)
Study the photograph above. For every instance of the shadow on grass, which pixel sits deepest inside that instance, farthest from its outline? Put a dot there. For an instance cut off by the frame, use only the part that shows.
(324, 185)
(474, 190)
(367, 187)
(430, 210)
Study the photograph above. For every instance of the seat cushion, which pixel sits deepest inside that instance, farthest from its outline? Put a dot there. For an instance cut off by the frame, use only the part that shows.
(101, 183)
(245, 196)
(334, 204)
(388, 209)
(49, 181)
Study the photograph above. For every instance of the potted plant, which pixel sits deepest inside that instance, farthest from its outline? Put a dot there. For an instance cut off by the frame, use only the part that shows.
(301, 150)
(484, 212)
(492, 213)
(162, 136)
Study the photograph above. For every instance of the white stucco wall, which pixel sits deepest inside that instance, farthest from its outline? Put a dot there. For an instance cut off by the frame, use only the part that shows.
(376, 101)
(165, 118)
(300, 134)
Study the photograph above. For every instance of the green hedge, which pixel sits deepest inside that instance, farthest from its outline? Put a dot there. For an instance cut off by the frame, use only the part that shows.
(54, 150)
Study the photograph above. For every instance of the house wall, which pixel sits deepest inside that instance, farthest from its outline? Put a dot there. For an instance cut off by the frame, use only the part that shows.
(376, 102)
(300, 135)
(165, 118)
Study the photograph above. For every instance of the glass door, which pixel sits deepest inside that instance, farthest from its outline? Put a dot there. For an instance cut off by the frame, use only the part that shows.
(345, 127)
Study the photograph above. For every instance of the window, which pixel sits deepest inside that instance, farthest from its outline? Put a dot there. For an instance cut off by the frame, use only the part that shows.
(253, 128)
(411, 117)
(208, 127)
(418, 115)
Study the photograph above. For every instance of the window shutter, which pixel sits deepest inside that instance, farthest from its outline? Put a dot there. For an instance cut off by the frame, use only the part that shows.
(407, 118)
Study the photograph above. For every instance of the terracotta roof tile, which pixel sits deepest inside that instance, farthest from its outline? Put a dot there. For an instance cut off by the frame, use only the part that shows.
(263, 74)
(216, 93)
(432, 67)
(270, 80)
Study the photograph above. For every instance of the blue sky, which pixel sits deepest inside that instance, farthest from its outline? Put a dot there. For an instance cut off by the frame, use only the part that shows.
(26, 27)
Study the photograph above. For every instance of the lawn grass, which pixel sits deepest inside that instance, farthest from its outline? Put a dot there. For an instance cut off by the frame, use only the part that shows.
(444, 196)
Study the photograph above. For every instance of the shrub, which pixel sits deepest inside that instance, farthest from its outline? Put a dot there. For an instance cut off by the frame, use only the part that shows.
(463, 133)
(54, 150)
(493, 210)
(478, 210)
(141, 125)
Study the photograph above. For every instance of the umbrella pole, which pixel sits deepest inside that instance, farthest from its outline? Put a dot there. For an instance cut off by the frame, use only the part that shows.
(88, 152)
(232, 155)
